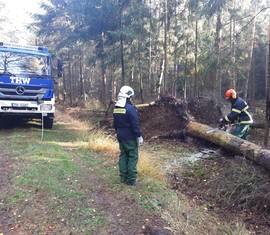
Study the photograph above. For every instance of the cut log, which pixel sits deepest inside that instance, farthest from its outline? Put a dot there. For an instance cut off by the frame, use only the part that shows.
(231, 143)
(145, 105)
(169, 117)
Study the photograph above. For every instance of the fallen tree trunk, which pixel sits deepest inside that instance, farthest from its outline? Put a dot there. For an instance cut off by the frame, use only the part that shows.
(169, 117)
(230, 142)
(145, 105)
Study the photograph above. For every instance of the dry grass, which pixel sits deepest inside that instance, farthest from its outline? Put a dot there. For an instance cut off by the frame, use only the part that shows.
(183, 216)
(71, 123)
(187, 219)
(180, 214)
(147, 167)
(99, 141)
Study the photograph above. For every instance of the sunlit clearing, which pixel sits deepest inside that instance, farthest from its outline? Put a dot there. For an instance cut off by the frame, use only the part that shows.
(69, 145)
(43, 159)
(98, 141)
(147, 167)
(75, 125)
(71, 123)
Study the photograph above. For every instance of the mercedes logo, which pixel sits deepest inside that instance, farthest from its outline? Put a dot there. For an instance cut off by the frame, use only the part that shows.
(20, 90)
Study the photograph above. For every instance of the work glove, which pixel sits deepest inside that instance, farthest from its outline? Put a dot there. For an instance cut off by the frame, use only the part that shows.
(140, 140)
(222, 121)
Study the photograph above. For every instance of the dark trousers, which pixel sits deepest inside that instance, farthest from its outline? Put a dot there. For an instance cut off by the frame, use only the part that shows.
(241, 131)
(128, 160)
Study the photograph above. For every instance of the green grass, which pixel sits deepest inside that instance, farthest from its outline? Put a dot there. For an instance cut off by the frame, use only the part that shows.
(53, 183)
(46, 171)
(194, 170)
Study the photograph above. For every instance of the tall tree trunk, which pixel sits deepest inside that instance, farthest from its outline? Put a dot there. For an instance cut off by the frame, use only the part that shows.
(150, 50)
(121, 9)
(70, 80)
(217, 82)
(103, 95)
(185, 85)
(195, 89)
(267, 90)
(165, 46)
(232, 79)
(176, 59)
(123, 81)
(253, 81)
(82, 82)
(141, 86)
(103, 88)
(185, 70)
(251, 48)
(74, 76)
(160, 78)
(64, 87)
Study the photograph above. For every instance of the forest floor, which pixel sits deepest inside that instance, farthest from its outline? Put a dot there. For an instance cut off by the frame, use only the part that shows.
(227, 185)
(68, 183)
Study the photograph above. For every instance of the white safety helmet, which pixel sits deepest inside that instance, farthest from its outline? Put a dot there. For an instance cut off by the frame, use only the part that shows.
(126, 92)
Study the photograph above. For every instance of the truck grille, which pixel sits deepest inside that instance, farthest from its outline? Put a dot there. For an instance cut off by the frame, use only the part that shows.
(21, 92)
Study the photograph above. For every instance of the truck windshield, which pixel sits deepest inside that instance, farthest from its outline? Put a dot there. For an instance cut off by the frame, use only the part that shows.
(24, 64)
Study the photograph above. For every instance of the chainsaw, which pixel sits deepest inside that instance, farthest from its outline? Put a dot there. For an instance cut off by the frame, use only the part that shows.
(222, 127)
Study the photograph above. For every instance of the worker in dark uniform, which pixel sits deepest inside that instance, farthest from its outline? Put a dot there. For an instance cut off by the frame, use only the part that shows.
(239, 115)
(129, 135)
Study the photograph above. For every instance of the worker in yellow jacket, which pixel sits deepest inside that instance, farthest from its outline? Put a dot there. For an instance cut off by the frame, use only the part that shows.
(239, 115)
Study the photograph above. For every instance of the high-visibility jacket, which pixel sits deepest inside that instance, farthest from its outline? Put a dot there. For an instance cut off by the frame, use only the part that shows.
(126, 122)
(239, 112)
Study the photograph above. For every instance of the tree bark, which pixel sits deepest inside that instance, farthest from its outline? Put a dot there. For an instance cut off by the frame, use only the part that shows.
(123, 81)
(161, 78)
(217, 79)
(232, 79)
(232, 143)
(103, 96)
(267, 90)
(70, 79)
(195, 86)
(250, 57)
(165, 46)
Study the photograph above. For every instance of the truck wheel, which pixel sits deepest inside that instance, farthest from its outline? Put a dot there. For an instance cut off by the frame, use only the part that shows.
(48, 122)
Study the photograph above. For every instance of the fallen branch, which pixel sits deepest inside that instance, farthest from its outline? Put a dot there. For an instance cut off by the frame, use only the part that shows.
(145, 105)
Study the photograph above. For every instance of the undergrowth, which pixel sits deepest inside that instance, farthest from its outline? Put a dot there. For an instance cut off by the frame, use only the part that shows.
(54, 181)
(229, 184)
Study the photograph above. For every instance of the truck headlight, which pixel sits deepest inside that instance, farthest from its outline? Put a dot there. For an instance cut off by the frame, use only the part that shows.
(46, 107)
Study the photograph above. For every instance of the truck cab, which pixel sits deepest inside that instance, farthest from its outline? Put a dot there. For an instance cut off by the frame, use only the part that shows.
(26, 83)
